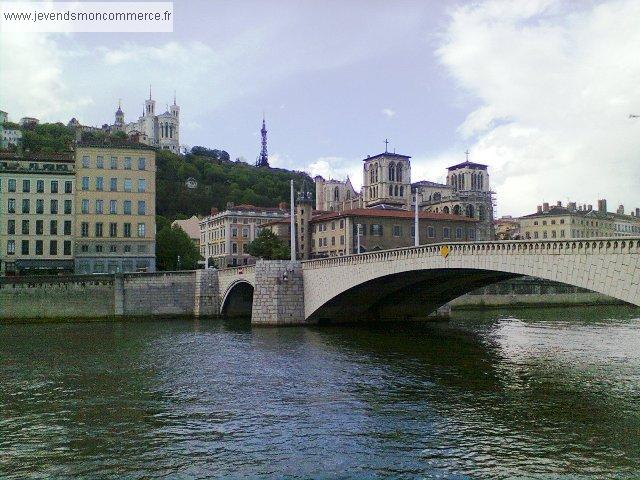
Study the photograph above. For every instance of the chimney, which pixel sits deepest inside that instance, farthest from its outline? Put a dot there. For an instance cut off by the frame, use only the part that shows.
(571, 206)
(580, 208)
(559, 203)
(620, 210)
(602, 205)
(545, 207)
(539, 208)
(589, 207)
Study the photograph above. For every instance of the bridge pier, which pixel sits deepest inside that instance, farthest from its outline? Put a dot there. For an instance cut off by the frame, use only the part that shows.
(207, 294)
(278, 297)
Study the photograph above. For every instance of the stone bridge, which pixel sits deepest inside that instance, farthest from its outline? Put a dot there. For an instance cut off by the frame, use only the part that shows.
(412, 282)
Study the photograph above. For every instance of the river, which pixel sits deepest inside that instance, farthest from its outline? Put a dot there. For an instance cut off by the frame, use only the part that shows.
(538, 393)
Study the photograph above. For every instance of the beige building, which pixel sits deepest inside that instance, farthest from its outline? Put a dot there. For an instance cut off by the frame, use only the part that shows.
(225, 236)
(191, 226)
(336, 233)
(570, 221)
(36, 213)
(115, 208)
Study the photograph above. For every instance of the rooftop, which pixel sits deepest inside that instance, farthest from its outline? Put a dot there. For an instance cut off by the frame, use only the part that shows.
(468, 164)
(386, 154)
(378, 213)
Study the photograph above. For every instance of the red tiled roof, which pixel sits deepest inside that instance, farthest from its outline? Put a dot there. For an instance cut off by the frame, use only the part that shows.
(371, 212)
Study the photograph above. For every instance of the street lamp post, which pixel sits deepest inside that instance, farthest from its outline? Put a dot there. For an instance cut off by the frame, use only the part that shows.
(416, 224)
(358, 236)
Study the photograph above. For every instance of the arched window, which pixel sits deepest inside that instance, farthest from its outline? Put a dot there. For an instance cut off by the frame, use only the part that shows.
(399, 172)
(457, 210)
(377, 173)
(401, 191)
(437, 197)
(454, 181)
(372, 175)
(336, 194)
(391, 190)
(396, 190)
(470, 211)
(473, 181)
(348, 194)
(461, 181)
(481, 212)
(445, 210)
(481, 181)
(392, 172)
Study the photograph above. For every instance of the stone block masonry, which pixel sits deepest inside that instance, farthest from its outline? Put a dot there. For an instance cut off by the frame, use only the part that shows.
(278, 296)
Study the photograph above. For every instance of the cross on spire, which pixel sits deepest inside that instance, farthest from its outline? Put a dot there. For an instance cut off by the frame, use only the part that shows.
(467, 154)
(386, 145)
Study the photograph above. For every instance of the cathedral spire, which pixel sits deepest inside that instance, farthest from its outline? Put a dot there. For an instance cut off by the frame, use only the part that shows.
(149, 91)
(174, 97)
(263, 158)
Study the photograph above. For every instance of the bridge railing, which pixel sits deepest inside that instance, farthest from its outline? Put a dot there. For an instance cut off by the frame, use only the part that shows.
(503, 247)
(239, 270)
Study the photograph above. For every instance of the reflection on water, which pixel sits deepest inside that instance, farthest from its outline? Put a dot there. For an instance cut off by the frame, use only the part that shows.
(527, 393)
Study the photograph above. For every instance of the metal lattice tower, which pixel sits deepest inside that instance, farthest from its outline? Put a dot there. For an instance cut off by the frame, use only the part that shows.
(263, 158)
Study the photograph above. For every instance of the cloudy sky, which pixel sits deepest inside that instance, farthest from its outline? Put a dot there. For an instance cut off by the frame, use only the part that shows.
(540, 90)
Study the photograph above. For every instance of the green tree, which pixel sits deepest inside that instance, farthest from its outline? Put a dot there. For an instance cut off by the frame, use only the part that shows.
(171, 243)
(268, 246)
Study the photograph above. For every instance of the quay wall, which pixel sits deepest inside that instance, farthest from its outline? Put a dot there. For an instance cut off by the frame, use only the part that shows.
(99, 296)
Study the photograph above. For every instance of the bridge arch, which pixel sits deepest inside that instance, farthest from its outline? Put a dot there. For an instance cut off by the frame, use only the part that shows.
(413, 282)
(237, 300)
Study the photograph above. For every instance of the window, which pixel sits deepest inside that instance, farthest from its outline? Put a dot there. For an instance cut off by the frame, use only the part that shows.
(472, 234)
(11, 247)
(446, 232)
(376, 229)
(98, 267)
(397, 231)
(98, 229)
(113, 207)
(127, 230)
(68, 187)
(127, 184)
(458, 233)
(141, 230)
(113, 184)
(85, 161)
(245, 232)
(40, 186)
(84, 229)
(142, 207)
(341, 239)
(25, 227)
(127, 207)
(234, 231)
(99, 206)
(11, 205)
(141, 163)
(67, 227)
(25, 205)
(113, 229)
(39, 205)
(99, 184)
(142, 185)
(84, 248)
(54, 206)
(11, 185)
(53, 247)
(535, 234)
(234, 248)
(11, 227)
(127, 163)
(85, 183)
(67, 207)
(53, 227)
(99, 161)
(127, 249)
(67, 247)
(39, 248)
(54, 186)
(114, 163)
(113, 248)
(39, 227)
(25, 247)
(26, 186)
(84, 205)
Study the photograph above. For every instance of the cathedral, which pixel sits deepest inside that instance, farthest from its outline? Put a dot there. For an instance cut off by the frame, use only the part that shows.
(161, 131)
(387, 185)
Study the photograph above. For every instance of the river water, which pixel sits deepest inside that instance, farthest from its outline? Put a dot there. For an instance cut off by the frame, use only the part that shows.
(525, 393)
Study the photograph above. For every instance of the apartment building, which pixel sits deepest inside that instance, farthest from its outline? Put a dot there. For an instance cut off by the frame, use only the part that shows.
(115, 208)
(225, 236)
(36, 213)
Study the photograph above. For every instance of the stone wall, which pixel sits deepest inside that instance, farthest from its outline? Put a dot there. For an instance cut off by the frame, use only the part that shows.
(162, 293)
(278, 297)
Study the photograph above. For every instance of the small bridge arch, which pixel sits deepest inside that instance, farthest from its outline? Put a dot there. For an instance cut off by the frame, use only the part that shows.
(237, 300)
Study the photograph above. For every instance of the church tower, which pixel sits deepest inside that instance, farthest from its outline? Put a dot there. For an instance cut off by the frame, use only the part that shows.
(387, 180)
(149, 106)
(119, 116)
(175, 109)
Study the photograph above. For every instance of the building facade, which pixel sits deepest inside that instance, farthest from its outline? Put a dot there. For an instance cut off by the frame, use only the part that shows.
(190, 226)
(161, 131)
(36, 213)
(225, 236)
(9, 137)
(334, 195)
(115, 208)
(336, 233)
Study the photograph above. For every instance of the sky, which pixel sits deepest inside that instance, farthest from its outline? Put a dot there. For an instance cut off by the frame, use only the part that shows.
(539, 90)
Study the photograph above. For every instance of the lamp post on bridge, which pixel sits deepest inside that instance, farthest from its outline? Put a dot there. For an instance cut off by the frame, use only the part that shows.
(416, 223)
(359, 229)
(293, 227)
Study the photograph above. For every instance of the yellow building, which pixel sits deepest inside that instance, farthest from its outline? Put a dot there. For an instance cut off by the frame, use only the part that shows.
(36, 213)
(572, 221)
(115, 208)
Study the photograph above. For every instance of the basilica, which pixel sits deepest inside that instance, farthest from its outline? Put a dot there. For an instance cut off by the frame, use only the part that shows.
(387, 185)
(161, 131)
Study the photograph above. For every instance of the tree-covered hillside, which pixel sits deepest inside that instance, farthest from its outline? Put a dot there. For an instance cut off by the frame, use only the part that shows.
(219, 181)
